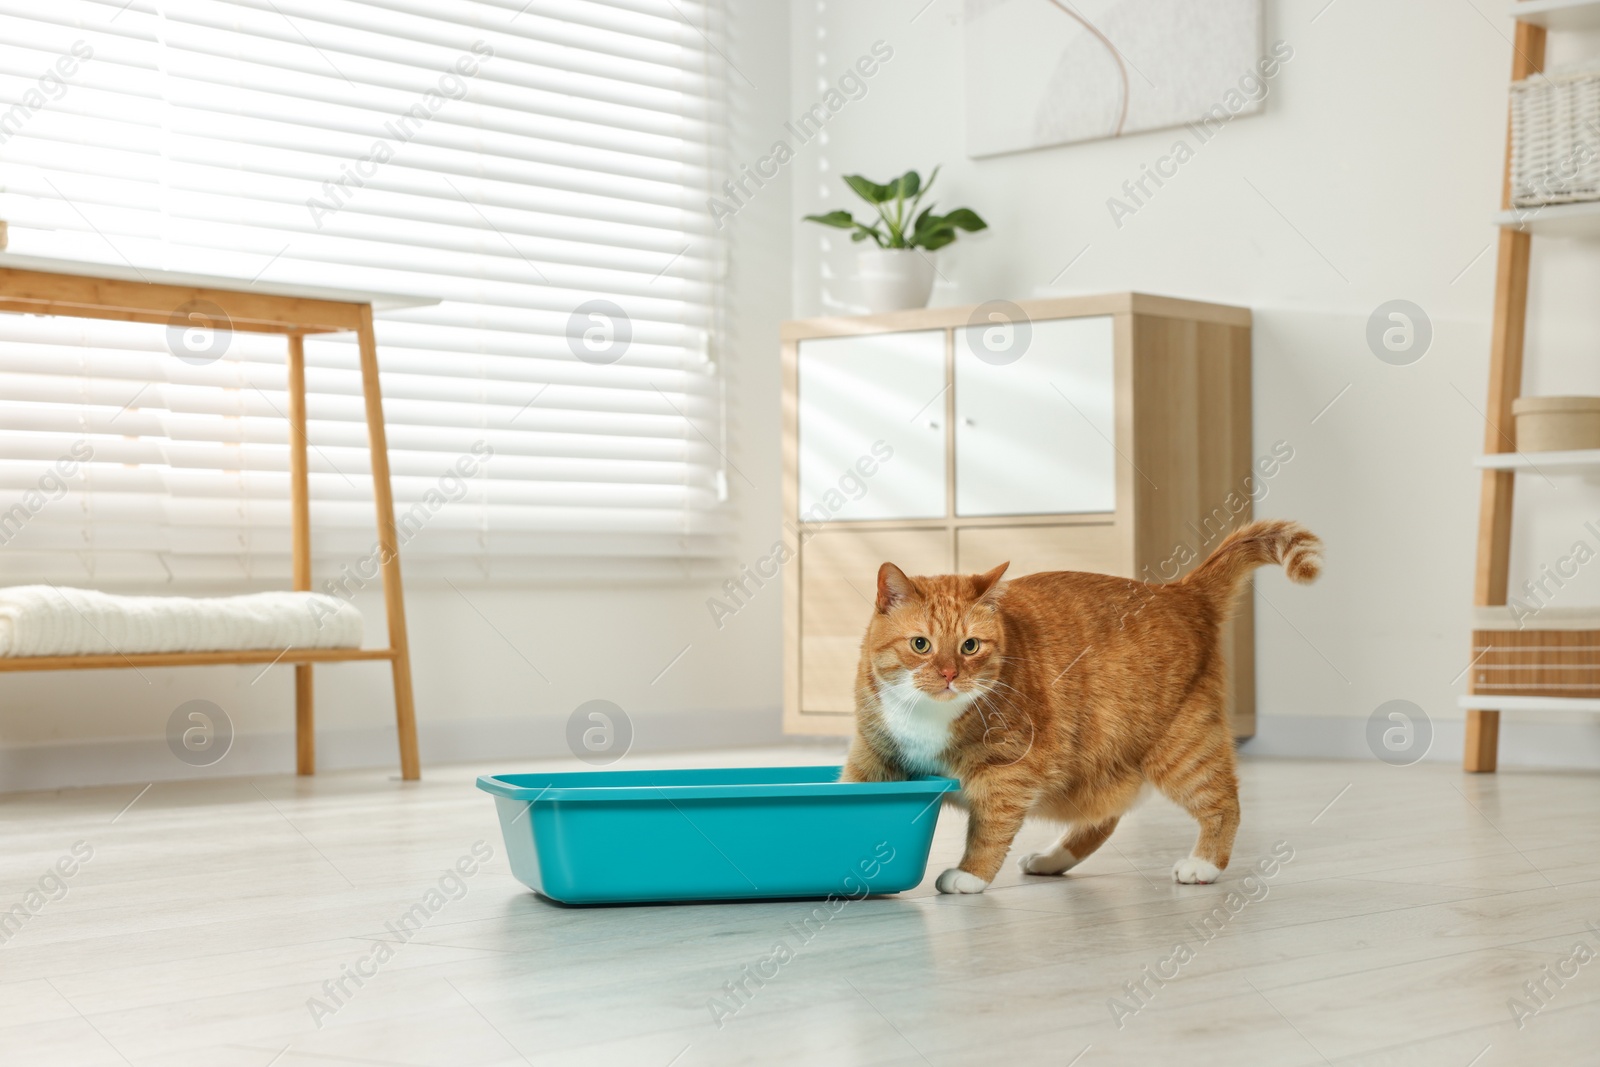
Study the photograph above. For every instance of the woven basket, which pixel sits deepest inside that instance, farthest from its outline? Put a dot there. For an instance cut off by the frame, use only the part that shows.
(1555, 137)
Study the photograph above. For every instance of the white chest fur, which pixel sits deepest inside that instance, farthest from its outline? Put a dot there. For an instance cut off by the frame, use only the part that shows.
(919, 725)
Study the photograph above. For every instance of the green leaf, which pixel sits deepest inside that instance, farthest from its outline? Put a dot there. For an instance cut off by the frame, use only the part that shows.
(927, 222)
(933, 231)
(966, 219)
(863, 232)
(871, 192)
(896, 204)
(839, 218)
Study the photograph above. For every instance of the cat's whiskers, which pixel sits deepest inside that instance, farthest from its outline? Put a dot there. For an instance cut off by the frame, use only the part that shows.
(993, 685)
(985, 705)
(919, 722)
(996, 683)
(901, 696)
(902, 701)
(983, 696)
(988, 702)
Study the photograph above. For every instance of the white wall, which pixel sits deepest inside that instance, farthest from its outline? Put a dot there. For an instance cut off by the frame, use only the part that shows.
(479, 694)
(1370, 176)
(1380, 145)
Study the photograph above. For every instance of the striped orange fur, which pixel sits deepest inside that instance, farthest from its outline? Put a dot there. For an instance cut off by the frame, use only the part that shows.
(1060, 695)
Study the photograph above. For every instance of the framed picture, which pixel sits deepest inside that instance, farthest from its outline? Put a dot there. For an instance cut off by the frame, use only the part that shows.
(1053, 72)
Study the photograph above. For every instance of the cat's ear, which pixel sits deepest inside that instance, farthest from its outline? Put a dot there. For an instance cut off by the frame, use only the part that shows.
(894, 588)
(985, 582)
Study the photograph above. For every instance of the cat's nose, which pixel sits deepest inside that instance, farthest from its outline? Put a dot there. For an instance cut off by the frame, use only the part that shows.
(948, 672)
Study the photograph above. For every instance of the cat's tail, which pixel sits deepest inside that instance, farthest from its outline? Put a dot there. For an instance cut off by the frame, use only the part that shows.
(1256, 545)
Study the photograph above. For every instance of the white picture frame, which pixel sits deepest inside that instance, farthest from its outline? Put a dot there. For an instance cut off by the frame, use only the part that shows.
(1052, 72)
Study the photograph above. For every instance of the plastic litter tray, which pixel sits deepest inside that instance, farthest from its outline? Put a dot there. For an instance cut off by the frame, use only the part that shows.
(744, 833)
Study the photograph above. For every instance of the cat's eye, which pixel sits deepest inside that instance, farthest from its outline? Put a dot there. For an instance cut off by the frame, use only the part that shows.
(969, 646)
(920, 644)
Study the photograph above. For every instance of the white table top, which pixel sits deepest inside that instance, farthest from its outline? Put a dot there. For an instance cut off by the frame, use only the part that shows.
(123, 272)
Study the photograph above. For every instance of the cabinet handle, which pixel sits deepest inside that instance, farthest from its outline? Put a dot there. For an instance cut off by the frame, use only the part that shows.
(933, 425)
(969, 422)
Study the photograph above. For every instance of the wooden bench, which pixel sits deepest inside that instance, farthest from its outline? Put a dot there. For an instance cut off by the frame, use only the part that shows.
(43, 286)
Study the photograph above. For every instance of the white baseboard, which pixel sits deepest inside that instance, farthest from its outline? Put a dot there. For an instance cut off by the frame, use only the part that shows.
(134, 761)
(1573, 745)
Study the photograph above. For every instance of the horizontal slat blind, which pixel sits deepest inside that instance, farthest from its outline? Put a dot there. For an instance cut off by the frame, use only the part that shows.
(517, 162)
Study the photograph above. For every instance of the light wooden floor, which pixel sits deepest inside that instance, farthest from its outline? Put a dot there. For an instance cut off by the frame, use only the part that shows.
(1418, 902)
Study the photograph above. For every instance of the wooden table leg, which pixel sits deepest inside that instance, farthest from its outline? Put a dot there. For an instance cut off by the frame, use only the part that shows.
(388, 551)
(1483, 742)
(305, 737)
(305, 734)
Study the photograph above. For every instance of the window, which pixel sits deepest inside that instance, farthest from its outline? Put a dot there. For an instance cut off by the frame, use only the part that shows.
(541, 169)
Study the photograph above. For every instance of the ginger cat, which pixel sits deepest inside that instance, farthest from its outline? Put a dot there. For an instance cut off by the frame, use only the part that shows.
(1059, 695)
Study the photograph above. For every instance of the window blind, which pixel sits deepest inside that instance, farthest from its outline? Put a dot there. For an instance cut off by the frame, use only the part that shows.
(542, 169)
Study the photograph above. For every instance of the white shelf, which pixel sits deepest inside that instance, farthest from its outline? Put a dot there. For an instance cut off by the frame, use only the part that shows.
(1559, 14)
(1555, 220)
(1584, 459)
(1494, 703)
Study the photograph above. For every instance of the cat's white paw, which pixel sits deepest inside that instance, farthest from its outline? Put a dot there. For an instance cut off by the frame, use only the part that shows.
(1192, 870)
(955, 880)
(1057, 861)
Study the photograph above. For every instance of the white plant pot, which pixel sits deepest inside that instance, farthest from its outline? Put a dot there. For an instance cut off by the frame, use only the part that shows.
(892, 279)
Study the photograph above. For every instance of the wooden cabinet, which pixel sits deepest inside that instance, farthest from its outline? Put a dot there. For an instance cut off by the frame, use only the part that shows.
(1106, 433)
(1034, 433)
(876, 389)
(1086, 546)
(838, 586)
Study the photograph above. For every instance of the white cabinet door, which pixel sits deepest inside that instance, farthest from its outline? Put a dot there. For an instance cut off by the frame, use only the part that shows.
(872, 427)
(1034, 431)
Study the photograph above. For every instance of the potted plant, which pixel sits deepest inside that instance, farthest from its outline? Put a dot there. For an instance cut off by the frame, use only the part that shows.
(894, 272)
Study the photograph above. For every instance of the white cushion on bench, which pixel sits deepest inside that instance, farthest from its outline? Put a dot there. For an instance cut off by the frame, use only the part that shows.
(44, 620)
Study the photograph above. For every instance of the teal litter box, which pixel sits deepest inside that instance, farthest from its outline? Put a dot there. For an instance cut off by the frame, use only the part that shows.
(742, 833)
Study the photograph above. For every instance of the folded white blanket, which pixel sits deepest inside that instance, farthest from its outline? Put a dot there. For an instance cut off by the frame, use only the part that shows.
(44, 620)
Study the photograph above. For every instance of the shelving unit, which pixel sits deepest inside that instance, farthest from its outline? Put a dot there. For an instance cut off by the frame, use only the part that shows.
(1558, 14)
(1519, 667)
(1527, 659)
(1524, 703)
(1553, 220)
(1587, 459)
